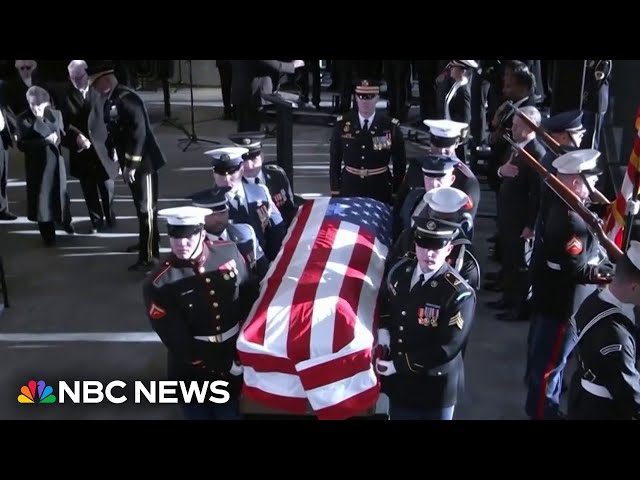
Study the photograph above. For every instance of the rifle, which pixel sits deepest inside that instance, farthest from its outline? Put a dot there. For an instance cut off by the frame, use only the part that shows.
(556, 148)
(572, 200)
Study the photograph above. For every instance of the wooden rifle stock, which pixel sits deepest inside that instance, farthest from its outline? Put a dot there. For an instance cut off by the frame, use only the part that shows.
(572, 200)
(556, 148)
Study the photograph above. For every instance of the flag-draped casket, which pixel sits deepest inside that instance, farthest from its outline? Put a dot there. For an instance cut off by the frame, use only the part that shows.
(310, 337)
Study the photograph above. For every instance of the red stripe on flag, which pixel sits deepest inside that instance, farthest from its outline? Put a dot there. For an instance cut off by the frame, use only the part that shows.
(262, 362)
(350, 407)
(300, 318)
(257, 327)
(293, 405)
(336, 369)
(347, 307)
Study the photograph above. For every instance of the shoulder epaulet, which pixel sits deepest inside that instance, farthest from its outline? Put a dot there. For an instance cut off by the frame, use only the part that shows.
(456, 280)
(162, 269)
(395, 121)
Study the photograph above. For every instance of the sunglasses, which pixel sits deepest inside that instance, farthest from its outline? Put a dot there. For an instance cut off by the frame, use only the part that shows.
(365, 97)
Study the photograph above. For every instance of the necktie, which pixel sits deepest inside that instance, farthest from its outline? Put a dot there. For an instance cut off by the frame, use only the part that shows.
(366, 125)
(239, 204)
(257, 181)
(418, 284)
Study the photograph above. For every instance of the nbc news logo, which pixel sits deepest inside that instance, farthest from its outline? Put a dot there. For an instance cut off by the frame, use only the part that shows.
(36, 392)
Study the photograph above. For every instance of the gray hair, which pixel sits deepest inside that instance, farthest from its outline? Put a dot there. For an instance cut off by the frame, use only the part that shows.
(39, 94)
(76, 65)
(533, 113)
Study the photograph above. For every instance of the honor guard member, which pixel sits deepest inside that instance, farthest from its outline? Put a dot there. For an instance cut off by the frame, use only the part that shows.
(445, 137)
(450, 206)
(196, 301)
(218, 227)
(270, 174)
(566, 128)
(248, 203)
(362, 144)
(606, 384)
(132, 140)
(426, 314)
(571, 267)
(437, 171)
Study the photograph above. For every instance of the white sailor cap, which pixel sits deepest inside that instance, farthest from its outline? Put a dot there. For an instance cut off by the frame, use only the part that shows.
(633, 253)
(185, 216)
(227, 159)
(445, 132)
(578, 161)
(464, 63)
(447, 200)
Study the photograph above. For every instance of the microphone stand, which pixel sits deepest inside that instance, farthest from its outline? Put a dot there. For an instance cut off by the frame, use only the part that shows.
(192, 138)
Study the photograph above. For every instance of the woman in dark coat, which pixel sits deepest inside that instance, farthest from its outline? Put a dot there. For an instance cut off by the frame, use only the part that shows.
(40, 130)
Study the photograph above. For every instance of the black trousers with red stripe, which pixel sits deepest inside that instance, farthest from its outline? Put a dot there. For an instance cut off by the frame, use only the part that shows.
(145, 198)
(551, 341)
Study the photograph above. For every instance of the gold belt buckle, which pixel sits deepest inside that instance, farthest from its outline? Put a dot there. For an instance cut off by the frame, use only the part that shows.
(217, 338)
(363, 172)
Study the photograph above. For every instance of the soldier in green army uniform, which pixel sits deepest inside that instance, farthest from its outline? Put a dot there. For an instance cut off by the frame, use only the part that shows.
(362, 145)
(196, 302)
(131, 139)
(426, 313)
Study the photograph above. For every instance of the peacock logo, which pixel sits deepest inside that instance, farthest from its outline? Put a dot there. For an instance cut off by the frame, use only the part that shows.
(44, 393)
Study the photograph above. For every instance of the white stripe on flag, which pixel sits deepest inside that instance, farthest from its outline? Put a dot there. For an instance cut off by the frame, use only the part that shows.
(276, 383)
(336, 392)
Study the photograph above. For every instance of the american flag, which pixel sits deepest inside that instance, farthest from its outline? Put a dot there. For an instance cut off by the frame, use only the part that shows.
(614, 225)
(309, 340)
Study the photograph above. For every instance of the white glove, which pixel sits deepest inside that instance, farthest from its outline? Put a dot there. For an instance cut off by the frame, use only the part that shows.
(384, 337)
(298, 63)
(236, 369)
(633, 207)
(385, 367)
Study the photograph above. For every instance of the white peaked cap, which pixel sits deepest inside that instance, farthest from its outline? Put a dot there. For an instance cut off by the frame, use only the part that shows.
(445, 128)
(578, 161)
(187, 215)
(446, 199)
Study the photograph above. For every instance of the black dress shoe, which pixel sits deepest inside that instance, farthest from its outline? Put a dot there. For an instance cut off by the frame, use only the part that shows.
(69, 229)
(6, 215)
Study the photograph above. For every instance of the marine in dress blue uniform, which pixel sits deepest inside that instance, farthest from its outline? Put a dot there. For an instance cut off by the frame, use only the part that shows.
(606, 384)
(449, 205)
(445, 137)
(571, 267)
(426, 314)
(248, 203)
(196, 301)
(218, 227)
(269, 174)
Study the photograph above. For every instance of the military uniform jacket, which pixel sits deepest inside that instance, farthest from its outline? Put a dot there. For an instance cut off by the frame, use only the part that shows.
(606, 385)
(429, 327)
(380, 144)
(280, 191)
(130, 132)
(244, 236)
(569, 253)
(461, 257)
(205, 297)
